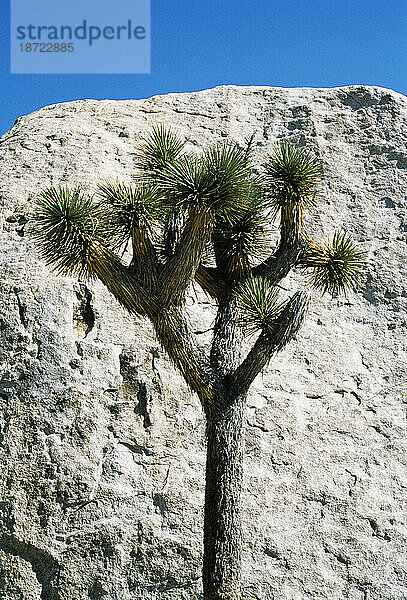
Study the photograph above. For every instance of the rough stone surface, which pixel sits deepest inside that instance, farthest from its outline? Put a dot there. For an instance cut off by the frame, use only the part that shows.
(102, 445)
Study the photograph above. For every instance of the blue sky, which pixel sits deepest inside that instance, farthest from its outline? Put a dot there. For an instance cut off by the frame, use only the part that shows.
(198, 44)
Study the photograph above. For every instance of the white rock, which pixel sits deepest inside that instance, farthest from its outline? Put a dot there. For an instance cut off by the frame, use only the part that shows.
(100, 437)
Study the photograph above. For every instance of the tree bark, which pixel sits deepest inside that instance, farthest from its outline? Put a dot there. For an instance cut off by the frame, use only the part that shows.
(173, 332)
(222, 521)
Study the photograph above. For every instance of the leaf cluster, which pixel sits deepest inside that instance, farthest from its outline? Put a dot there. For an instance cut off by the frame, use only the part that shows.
(70, 230)
(162, 209)
(291, 176)
(336, 264)
(244, 241)
(258, 305)
(218, 181)
(129, 208)
(157, 149)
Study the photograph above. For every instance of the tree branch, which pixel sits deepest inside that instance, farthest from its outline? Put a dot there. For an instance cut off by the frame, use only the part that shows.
(174, 225)
(172, 330)
(279, 264)
(210, 281)
(269, 342)
(125, 287)
(145, 261)
(170, 324)
(224, 355)
(180, 271)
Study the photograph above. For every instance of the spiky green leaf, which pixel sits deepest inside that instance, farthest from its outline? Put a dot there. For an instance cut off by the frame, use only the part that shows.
(336, 264)
(69, 227)
(218, 181)
(258, 305)
(245, 241)
(291, 178)
(130, 208)
(159, 148)
(293, 173)
(229, 167)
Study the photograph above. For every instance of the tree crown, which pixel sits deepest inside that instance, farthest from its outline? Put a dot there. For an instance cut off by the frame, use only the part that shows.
(203, 217)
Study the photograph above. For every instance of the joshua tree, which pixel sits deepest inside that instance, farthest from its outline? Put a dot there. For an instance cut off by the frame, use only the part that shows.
(205, 218)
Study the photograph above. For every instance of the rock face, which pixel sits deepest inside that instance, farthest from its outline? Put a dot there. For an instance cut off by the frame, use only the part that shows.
(102, 444)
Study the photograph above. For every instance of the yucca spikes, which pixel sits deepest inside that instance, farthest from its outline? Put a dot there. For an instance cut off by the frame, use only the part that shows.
(244, 241)
(258, 305)
(70, 228)
(336, 264)
(185, 183)
(218, 181)
(228, 166)
(130, 208)
(291, 178)
(293, 173)
(162, 146)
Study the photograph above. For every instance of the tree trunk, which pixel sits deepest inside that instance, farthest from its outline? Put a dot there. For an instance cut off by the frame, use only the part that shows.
(222, 523)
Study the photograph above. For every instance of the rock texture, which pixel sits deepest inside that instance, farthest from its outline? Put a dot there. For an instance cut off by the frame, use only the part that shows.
(102, 445)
